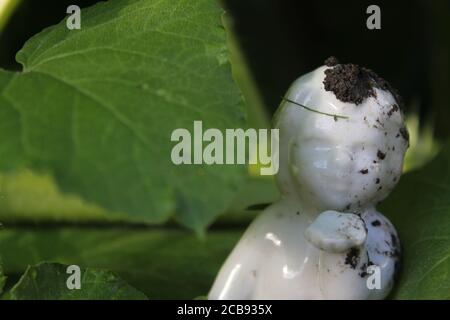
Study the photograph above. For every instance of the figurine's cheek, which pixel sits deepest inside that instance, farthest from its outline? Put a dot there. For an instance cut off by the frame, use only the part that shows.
(324, 158)
(389, 175)
(327, 186)
(325, 166)
(342, 160)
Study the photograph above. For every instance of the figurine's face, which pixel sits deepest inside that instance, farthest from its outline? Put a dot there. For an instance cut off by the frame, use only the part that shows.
(345, 164)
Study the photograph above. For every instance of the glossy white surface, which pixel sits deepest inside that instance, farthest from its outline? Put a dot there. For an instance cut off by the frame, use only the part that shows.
(336, 232)
(309, 244)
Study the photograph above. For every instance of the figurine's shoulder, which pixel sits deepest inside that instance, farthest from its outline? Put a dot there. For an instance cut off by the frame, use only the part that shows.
(281, 222)
(283, 212)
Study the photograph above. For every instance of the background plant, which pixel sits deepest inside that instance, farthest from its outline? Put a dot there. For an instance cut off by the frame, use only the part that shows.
(85, 122)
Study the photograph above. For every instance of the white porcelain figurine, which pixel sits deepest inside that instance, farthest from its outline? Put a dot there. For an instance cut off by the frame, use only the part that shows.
(342, 142)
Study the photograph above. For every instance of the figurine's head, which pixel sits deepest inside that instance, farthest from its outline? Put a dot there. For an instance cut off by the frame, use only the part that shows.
(351, 153)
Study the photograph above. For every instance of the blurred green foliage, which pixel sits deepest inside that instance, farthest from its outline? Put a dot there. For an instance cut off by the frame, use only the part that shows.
(419, 208)
(47, 281)
(269, 48)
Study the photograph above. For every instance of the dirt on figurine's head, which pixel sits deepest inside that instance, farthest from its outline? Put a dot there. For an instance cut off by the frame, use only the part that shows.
(352, 83)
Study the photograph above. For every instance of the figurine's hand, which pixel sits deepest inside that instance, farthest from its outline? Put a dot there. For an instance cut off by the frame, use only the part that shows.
(336, 232)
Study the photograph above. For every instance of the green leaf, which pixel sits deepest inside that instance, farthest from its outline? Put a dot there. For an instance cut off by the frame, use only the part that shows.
(257, 114)
(255, 191)
(26, 196)
(96, 107)
(163, 263)
(154, 260)
(48, 281)
(420, 210)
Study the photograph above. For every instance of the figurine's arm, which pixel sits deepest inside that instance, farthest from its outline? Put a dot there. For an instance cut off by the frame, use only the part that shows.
(237, 277)
(336, 232)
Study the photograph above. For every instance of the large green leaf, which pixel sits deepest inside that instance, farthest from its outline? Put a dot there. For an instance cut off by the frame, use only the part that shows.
(96, 107)
(162, 263)
(420, 210)
(48, 281)
(28, 197)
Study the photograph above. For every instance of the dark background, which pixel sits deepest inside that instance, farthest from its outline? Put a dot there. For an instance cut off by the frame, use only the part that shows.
(283, 39)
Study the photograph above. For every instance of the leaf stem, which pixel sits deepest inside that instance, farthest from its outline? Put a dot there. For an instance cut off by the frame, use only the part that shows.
(335, 116)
